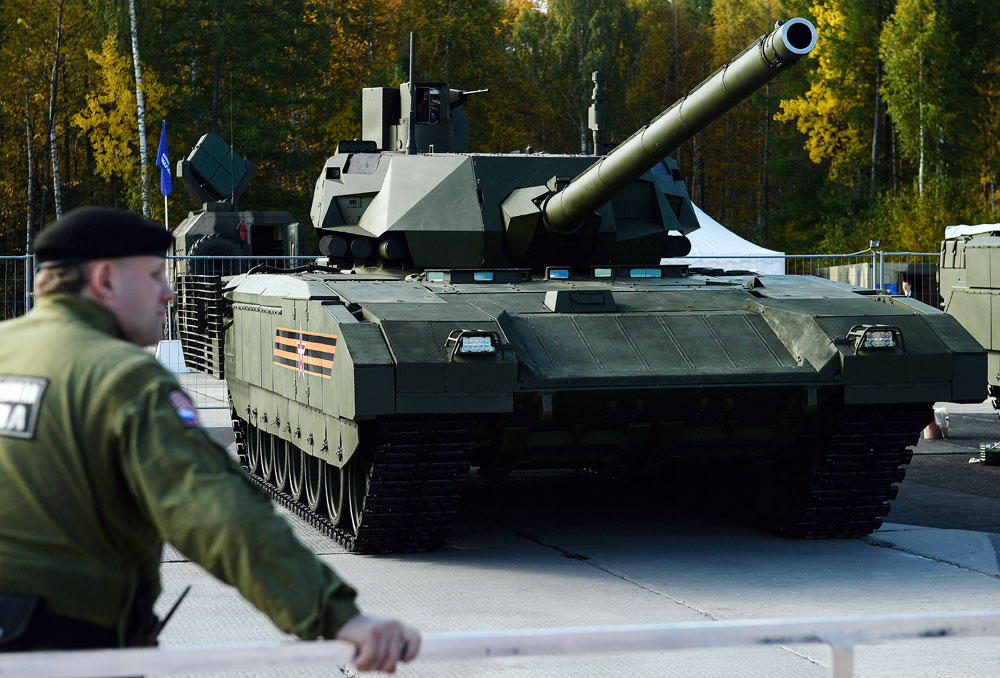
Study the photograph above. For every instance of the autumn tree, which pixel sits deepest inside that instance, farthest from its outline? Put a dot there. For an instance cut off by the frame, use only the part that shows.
(108, 119)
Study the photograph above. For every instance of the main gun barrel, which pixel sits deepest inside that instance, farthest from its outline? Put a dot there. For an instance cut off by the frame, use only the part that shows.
(751, 69)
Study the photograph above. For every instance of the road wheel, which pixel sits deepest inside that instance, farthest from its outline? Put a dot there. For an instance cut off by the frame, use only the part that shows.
(314, 473)
(297, 460)
(333, 487)
(280, 455)
(266, 455)
(253, 450)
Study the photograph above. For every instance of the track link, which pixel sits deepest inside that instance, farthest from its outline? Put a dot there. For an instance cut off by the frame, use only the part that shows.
(418, 466)
(854, 481)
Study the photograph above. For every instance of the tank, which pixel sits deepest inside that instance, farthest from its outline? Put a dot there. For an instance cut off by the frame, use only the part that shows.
(972, 295)
(509, 311)
(217, 241)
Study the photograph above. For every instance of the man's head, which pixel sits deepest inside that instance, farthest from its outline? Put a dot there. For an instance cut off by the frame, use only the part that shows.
(907, 287)
(114, 258)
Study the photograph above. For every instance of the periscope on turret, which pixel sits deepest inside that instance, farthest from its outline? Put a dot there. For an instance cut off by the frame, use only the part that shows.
(509, 312)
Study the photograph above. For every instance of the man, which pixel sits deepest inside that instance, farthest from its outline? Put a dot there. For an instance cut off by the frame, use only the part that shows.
(907, 288)
(102, 458)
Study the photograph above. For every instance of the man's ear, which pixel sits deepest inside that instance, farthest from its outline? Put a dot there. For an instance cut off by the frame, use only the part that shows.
(100, 276)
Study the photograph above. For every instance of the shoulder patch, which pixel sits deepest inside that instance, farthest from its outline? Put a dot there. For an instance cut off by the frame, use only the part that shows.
(20, 400)
(184, 408)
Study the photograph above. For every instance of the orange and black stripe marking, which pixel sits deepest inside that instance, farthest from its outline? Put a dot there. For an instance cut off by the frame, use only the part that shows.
(305, 352)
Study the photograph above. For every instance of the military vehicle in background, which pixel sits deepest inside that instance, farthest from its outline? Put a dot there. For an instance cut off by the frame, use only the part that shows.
(211, 239)
(508, 311)
(971, 291)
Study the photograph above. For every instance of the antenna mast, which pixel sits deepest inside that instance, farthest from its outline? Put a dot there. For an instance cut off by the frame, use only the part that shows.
(411, 129)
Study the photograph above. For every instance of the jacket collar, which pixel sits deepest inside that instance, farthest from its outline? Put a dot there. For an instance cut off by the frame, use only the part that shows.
(80, 308)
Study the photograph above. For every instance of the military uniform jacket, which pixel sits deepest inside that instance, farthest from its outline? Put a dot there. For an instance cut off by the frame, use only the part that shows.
(102, 458)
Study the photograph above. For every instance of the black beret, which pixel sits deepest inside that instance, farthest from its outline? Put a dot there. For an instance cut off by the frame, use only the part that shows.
(99, 233)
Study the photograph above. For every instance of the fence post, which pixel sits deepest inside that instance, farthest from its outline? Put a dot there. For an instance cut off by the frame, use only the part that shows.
(29, 281)
(842, 665)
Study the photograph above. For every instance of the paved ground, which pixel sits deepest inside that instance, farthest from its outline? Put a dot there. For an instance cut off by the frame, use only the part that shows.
(942, 489)
(557, 549)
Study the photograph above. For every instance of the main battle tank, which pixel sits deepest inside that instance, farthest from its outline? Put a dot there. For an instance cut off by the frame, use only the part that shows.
(508, 311)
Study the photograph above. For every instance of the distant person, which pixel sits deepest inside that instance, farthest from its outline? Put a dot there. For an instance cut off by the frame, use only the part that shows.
(906, 288)
(423, 107)
(102, 458)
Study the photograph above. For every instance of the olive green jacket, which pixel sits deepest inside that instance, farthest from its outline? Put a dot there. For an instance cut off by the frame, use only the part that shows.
(102, 458)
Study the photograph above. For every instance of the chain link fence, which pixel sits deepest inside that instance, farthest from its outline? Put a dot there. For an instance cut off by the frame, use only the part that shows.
(193, 335)
(15, 293)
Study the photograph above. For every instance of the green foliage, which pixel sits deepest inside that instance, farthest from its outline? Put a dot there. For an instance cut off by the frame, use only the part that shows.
(817, 160)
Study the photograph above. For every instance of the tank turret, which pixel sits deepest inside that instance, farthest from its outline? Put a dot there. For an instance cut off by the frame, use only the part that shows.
(381, 204)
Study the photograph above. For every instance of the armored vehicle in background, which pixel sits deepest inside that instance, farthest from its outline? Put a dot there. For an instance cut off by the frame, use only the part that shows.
(510, 312)
(971, 291)
(217, 241)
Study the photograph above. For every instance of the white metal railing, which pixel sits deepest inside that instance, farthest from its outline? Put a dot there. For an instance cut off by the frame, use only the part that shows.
(842, 634)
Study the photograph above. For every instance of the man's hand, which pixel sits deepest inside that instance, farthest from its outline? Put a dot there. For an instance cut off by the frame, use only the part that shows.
(381, 642)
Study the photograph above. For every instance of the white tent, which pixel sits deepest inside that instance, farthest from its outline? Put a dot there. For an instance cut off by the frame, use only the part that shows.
(715, 246)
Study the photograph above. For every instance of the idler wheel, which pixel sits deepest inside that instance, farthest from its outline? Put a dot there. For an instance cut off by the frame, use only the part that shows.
(358, 473)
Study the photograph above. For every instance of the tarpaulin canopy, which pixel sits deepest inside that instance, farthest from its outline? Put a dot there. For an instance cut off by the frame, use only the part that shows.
(715, 246)
(960, 230)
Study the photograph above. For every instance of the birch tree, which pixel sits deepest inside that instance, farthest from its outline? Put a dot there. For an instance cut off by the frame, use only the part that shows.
(141, 110)
(53, 91)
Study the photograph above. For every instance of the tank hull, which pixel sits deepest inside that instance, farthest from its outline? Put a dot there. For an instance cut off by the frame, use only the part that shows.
(639, 379)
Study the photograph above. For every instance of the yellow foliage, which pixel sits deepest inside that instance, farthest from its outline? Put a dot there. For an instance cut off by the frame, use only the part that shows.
(110, 117)
(837, 89)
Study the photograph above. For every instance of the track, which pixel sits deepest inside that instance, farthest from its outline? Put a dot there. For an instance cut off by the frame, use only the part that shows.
(418, 465)
(852, 482)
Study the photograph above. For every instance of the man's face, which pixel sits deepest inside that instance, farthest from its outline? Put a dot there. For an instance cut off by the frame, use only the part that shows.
(906, 287)
(137, 296)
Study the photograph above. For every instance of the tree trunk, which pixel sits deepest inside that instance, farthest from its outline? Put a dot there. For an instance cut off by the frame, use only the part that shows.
(895, 160)
(141, 106)
(920, 109)
(30, 225)
(878, 123)
(53, 91)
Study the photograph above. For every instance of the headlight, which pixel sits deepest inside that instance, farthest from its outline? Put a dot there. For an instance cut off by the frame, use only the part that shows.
(472, 342)
(874, 337)
(475, 344)
(878, 339)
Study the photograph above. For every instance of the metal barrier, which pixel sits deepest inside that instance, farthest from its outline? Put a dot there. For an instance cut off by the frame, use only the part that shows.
(885, 271)
(16, 284)
(842, 634)
(918, 269)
